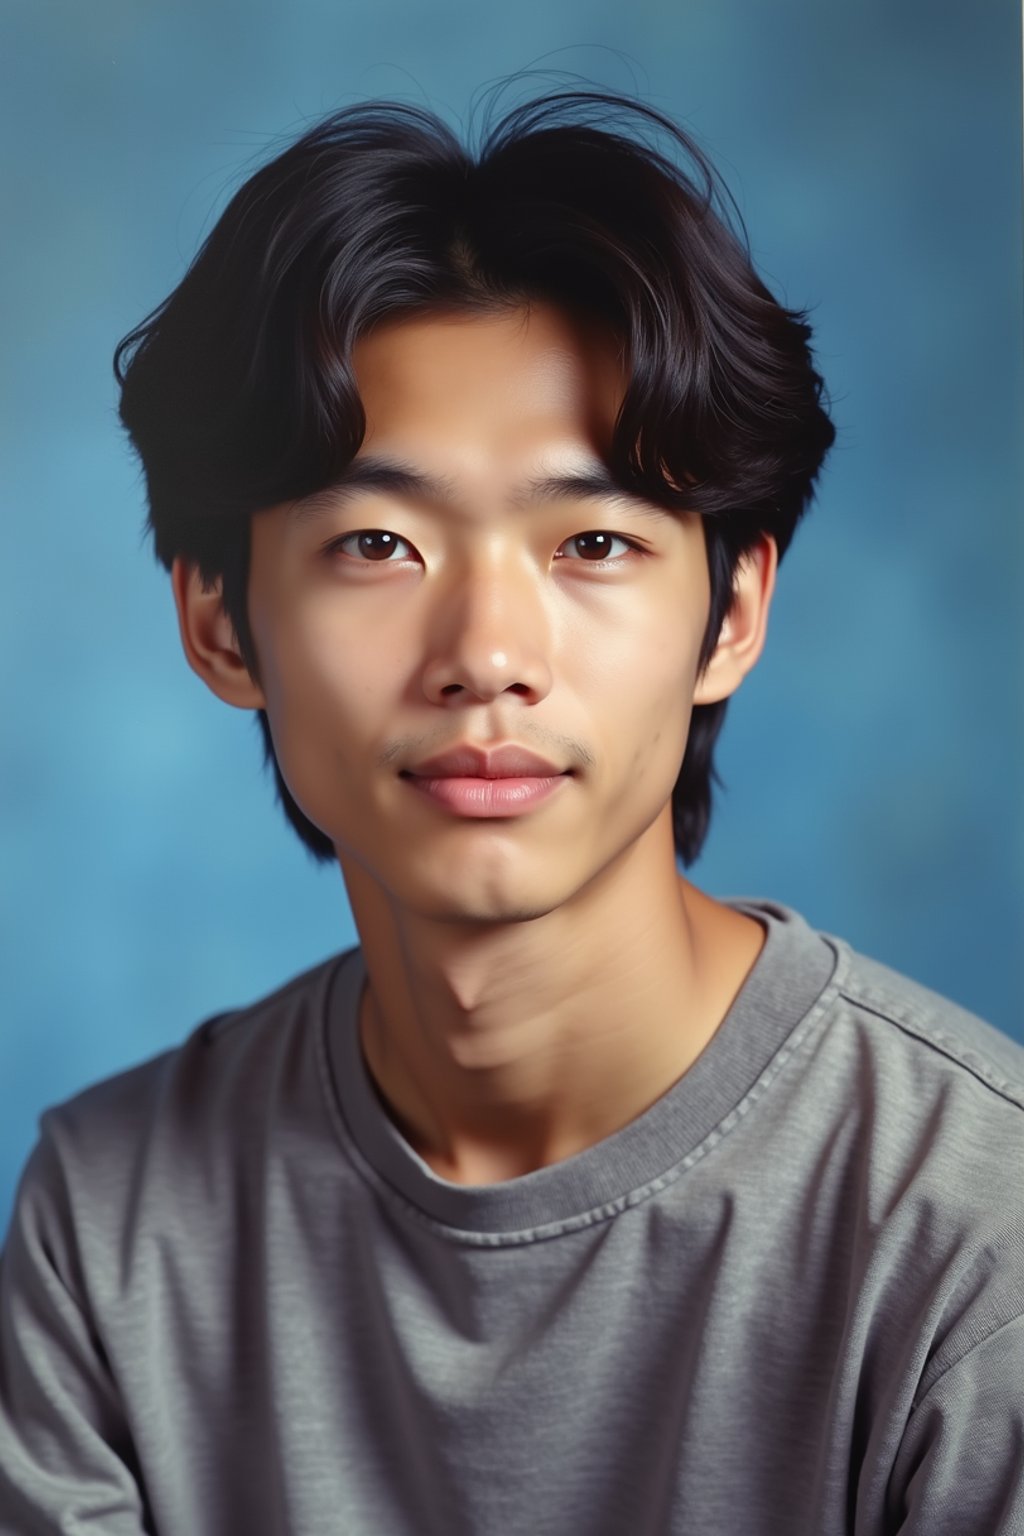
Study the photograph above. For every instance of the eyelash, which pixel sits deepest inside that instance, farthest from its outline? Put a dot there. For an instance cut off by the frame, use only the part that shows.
(336, 546)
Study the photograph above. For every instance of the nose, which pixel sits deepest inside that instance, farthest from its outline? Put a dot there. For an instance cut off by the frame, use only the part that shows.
(489, 634)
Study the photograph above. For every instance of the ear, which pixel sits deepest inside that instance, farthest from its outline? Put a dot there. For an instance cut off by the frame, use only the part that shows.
(743, 631)
(209, 640)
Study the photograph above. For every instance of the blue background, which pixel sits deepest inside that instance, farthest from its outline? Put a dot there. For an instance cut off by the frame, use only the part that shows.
(873, 761)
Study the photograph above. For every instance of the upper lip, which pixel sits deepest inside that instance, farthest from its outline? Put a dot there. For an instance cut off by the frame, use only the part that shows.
(468, 762)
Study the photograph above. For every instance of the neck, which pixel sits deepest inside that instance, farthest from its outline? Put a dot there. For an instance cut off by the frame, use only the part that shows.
(500, 1048)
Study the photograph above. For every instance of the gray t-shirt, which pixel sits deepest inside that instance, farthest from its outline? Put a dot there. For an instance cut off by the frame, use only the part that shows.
(785, 1301)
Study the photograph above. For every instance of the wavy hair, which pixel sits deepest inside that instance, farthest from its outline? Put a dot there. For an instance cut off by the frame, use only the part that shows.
(237, 392)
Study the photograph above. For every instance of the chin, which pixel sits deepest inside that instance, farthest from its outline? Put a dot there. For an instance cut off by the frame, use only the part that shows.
(482, 910)
(446, 894)
(496, 919)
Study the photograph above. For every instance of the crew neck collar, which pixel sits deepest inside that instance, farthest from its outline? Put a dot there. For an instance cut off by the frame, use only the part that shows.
(791, 982)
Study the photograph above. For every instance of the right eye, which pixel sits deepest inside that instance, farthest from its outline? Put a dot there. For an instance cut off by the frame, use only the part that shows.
(371, 544)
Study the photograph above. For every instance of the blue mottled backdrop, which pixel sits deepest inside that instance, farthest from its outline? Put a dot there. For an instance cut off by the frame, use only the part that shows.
(874, 760)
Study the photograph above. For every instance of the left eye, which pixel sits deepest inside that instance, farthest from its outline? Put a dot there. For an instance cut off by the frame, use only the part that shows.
(372, 544)
(595, 546)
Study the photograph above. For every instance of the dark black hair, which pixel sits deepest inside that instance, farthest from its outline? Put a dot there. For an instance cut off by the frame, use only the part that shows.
(237, 391)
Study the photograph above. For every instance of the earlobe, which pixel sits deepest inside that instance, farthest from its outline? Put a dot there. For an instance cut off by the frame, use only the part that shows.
(742, 636)
(209, 641)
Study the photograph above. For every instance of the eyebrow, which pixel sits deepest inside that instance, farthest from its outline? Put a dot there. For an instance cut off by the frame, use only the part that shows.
(374, 472)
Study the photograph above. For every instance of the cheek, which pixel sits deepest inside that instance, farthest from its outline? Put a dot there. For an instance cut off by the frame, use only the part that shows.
(645, 661)
(644, 679)
(316, 661)
(330, 691)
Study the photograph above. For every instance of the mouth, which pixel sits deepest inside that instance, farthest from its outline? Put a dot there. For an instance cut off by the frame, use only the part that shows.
(472, 762)
(474, 796)
(475, 782)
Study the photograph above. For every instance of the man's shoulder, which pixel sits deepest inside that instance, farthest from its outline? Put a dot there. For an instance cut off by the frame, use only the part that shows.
(923, 1098)
(895, 1021)
(940, 1102)
(233, 1060)
(931, 1099)
(939, 1035)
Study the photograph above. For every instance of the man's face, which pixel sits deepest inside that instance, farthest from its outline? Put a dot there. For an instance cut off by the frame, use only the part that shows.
(396, 621)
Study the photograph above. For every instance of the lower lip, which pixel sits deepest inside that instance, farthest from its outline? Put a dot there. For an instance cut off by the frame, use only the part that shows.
(488, 797)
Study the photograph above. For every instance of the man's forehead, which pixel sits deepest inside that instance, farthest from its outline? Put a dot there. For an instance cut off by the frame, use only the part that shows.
(572, 361)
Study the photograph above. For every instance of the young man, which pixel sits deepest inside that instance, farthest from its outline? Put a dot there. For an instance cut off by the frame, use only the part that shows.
(574, 1199)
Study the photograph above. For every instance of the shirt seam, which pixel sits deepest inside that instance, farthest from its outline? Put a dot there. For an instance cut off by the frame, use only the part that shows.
(925, 1392)
(945, 1045)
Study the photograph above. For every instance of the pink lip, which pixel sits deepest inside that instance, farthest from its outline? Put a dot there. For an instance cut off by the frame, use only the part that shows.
(471, 781)
(469, 762)
(480, 797)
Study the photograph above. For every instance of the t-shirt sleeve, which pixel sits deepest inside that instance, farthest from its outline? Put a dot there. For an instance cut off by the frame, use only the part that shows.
(66, 1457)
(960, 1468)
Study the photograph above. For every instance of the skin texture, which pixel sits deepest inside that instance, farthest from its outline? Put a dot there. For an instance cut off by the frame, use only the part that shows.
(535, 982)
